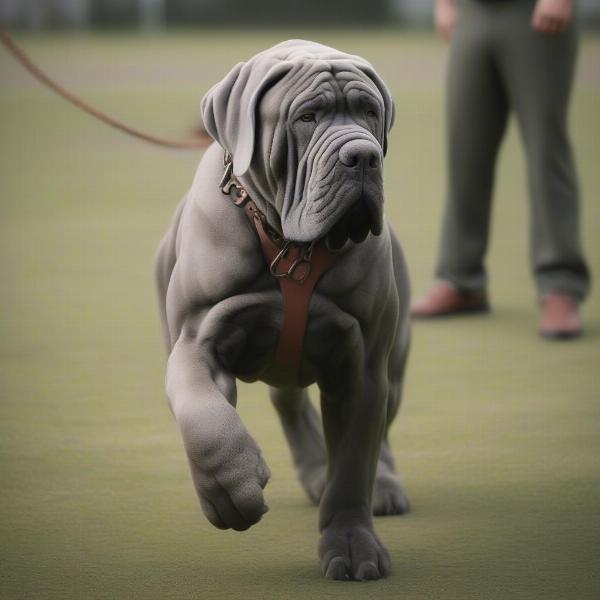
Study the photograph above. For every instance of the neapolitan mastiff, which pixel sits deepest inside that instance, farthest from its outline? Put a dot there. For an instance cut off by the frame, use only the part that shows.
(300, 134)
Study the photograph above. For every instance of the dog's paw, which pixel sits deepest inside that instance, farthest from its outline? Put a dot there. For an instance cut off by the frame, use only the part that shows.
(229, 475)
(389, 497)
(232, 497)
(353, 552)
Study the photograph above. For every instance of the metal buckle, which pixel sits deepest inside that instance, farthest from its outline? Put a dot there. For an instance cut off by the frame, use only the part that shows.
(241, 194)
(229, 182)
(300, 269)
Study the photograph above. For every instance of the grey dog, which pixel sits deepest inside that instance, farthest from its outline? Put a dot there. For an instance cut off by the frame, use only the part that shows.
(306, 127)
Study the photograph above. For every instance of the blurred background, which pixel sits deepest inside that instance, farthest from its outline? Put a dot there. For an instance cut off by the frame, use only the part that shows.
(38, 14)
(498, 438)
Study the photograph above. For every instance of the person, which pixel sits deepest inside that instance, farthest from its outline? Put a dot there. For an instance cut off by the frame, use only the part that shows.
(508, 55)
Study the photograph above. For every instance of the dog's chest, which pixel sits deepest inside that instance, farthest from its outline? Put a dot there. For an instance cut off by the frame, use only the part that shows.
(250, 332)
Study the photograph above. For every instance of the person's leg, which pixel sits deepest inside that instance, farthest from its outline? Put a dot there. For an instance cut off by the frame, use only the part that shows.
(538, 73)
(477, 112)
(476, 116)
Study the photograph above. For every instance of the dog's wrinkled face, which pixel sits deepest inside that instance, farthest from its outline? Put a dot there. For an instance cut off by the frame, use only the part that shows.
(329, 154)
(311, 139)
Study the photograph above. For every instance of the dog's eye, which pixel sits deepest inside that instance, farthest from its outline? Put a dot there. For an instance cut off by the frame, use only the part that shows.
(308, 117)
(371, 113)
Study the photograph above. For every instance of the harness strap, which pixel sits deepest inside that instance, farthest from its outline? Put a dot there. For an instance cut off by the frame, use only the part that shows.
(298, 268)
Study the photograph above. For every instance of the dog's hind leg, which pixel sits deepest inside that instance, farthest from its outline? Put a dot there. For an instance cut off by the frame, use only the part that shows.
(302, 427)
(389, 497)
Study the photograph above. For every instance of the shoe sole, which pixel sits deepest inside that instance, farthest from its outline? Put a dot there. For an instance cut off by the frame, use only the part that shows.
(560, 335)
(471, 310)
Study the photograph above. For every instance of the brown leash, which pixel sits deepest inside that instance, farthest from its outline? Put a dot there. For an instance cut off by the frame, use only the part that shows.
(297, 267)
(202, 141)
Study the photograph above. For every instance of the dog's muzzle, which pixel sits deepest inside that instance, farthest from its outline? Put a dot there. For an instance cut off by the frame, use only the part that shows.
(362, 162)
(339, 190)
(360, 155)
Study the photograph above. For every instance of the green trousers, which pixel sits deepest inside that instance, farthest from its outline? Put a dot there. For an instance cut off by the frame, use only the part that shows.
(498, 63)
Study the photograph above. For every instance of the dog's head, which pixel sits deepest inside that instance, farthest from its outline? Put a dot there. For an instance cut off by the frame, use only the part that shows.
(307, 128)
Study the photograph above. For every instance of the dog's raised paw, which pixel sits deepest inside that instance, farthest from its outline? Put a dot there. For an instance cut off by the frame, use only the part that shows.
(228, 470)
(237, 507)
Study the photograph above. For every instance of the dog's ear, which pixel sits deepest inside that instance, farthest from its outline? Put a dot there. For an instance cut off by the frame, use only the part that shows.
(388, 103)
(229, 108)
(215, 106)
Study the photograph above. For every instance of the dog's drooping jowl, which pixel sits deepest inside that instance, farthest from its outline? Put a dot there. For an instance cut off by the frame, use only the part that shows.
(280, 266)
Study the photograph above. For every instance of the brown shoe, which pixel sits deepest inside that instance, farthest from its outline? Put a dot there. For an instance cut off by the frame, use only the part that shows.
(559, 317)
(443, 299)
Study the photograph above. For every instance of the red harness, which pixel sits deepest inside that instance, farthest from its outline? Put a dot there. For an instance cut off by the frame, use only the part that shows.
(298, 267)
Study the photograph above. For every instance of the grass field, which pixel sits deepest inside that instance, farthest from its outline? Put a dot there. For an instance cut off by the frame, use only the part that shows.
(499, 436)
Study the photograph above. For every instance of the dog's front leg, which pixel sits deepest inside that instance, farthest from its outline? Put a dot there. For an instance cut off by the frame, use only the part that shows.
(226, 464)
(354, 423)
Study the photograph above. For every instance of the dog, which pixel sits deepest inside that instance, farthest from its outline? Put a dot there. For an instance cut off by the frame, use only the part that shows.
(279, 266)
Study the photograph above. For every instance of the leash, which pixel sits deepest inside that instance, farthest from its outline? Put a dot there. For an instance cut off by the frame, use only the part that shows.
(202, 141)
(296, 266)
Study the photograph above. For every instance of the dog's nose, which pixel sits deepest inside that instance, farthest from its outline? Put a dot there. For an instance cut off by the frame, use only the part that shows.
(360, 153)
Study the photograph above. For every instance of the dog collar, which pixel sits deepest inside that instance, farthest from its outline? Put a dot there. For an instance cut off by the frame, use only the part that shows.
(296, 266)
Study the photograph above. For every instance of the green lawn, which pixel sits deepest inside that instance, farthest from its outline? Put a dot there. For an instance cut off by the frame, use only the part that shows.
(499, 436)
